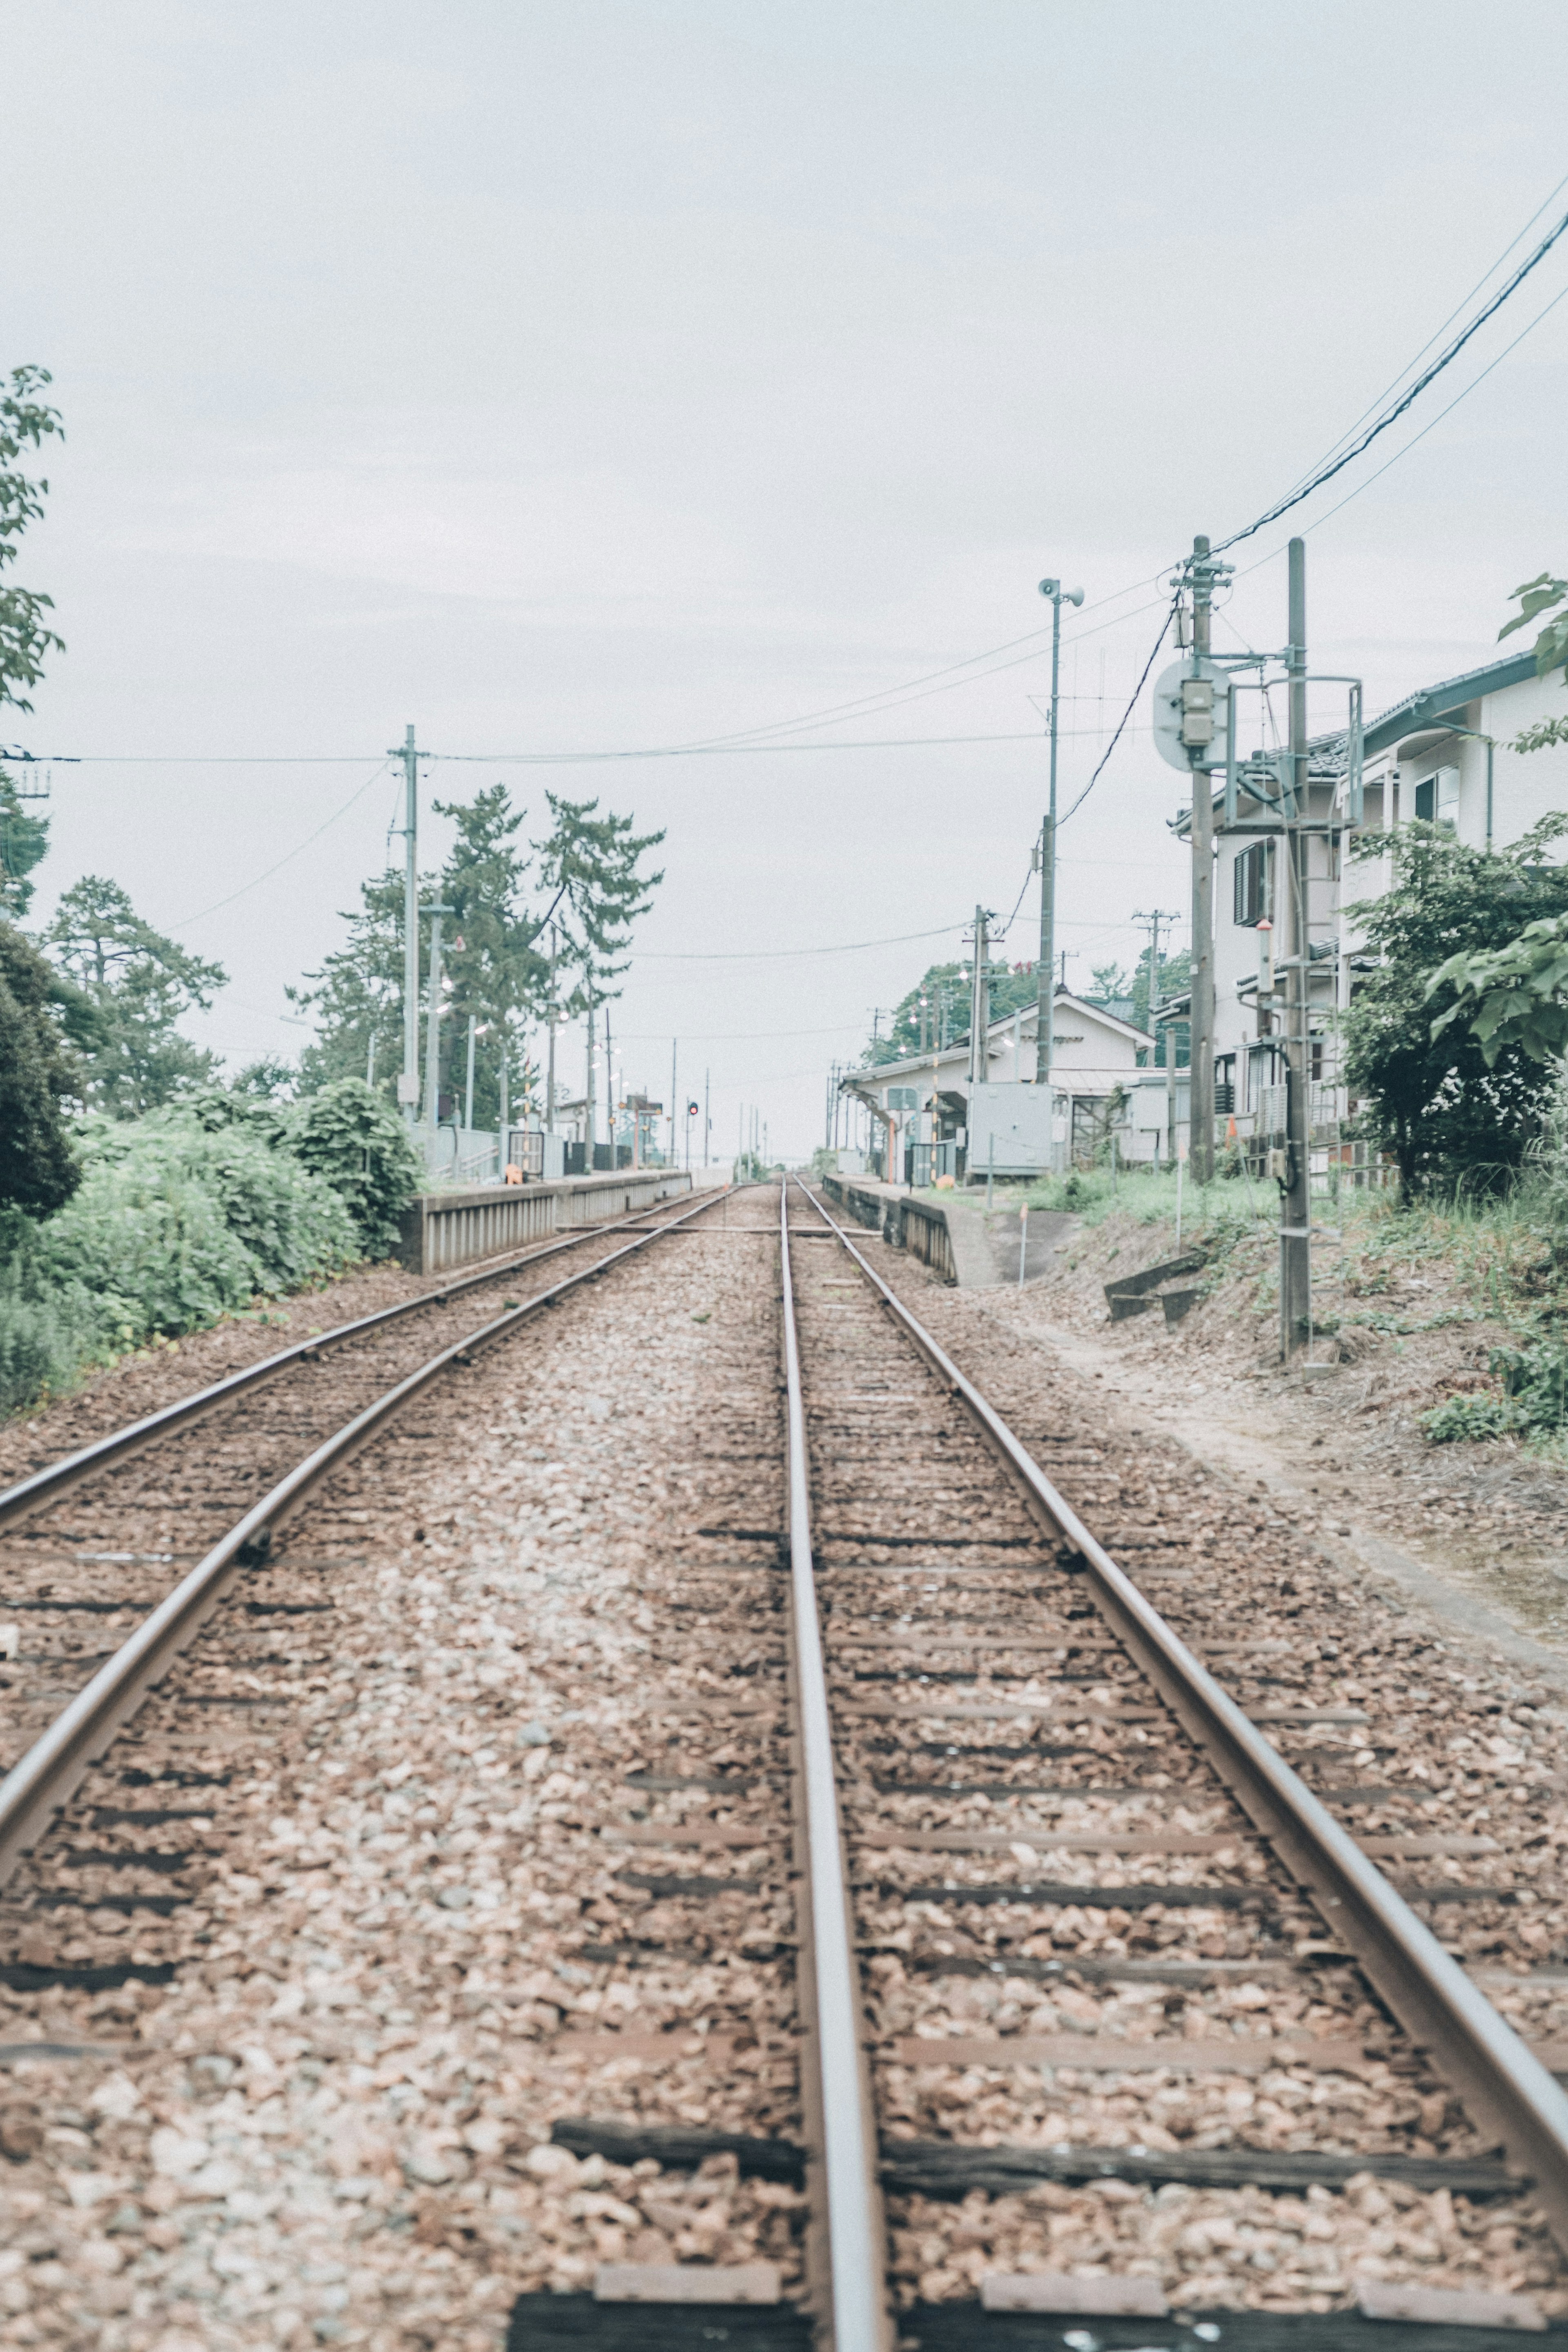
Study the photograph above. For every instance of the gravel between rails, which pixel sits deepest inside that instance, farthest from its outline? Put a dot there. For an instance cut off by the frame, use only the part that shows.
(77, 1575)
(469, 1813)
(378, 1907)
(1453, 1751)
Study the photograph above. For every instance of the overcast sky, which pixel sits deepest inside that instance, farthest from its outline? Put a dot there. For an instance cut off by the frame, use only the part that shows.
(577, 378)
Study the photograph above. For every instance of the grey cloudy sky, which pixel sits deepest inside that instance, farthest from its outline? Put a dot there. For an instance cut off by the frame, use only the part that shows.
(579, 377)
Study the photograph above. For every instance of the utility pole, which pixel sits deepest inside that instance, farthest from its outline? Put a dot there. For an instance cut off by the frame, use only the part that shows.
(468, 1095)
(1161, 915)
(589, 1106)
(1046, 969)
(408, 1085)
(549, 1076)
(1295, 1192)
(707, 1114)
(1200, 1057)
(980, 1000)
(674, 1052)
(505, 1104)
(433, 1026)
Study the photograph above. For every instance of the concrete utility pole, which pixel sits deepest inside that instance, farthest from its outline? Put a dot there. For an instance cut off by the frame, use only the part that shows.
(1200, 1058)
(1295, 1195)
(550, 1073)
(1161, 915)
(432, 1024)
(408, 1085)
(1046, 969)
(468, 1094)
(980, 1000)
(707, 1113)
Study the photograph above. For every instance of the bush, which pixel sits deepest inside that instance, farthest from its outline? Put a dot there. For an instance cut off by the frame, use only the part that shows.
(1536, 1381)
(360, 1146)
(1472, 1417)
(173, 1225)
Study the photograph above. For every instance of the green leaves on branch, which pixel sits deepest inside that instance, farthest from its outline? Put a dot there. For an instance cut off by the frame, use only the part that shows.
(25, 638)
(1448, 1111)
(1538, 597)
(1512, 996)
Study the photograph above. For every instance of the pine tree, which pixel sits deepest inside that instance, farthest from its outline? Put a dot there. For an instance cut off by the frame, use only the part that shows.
(138, 984)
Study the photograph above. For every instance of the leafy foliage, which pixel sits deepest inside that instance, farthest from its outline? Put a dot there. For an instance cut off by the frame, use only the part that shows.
(23, 839)
(354, 1140)
(357, 998)
(497, 976)
(25, 638)
(39, 1075)
(139, 983)
(945, 988)
(1512, 996)
(494, 968)
(172, 1224)
(1538, 597)
(1535, 1377)
(593, 865)
(1470, 1417)
(1433, 1099)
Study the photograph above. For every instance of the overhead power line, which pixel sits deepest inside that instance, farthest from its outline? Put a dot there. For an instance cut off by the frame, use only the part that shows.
(1363, 441)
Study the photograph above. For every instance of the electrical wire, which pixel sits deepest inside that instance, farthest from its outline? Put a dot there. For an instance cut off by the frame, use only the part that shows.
(185, 921)
(1392, 387)
(1363, 441)
(1122, 722)
(773, 955)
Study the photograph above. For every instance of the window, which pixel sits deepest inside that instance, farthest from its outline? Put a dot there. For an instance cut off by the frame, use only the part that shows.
(1437, 798)
(1253, 879)
(903, 1098)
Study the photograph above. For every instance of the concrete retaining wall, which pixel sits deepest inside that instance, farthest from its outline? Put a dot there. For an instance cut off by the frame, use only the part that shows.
(926, 1230)
(475, 1221)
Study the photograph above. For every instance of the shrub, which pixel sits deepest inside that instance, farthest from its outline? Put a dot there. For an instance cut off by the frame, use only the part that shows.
(1470, 1417)
(172, 1226)
(1536, 1380)
(359, 1143)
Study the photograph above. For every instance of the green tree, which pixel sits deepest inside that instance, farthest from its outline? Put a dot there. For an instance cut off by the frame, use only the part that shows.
(139, 985)
(358, 1141)
(945, 988)
(25, 638)
(1515, 995)
(23, 839)
(1109, 985)
(1535, 598)
(1432, 1096)
(497, 976)
(38, 1076)
(591, 865)
(357, 995)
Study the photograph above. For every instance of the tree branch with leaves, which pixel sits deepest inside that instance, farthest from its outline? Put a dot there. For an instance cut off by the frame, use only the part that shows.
(1538, 597)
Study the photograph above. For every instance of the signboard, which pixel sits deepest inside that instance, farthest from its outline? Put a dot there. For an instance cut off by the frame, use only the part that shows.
(1192, 709)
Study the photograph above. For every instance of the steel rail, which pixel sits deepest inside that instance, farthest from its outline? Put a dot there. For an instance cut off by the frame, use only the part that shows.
(1507, 2090)
(846, 2197)
(45, 1778)
(48, 1484)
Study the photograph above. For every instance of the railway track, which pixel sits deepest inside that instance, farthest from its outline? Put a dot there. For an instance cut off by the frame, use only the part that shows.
(892, 1920)
(220, 1479)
